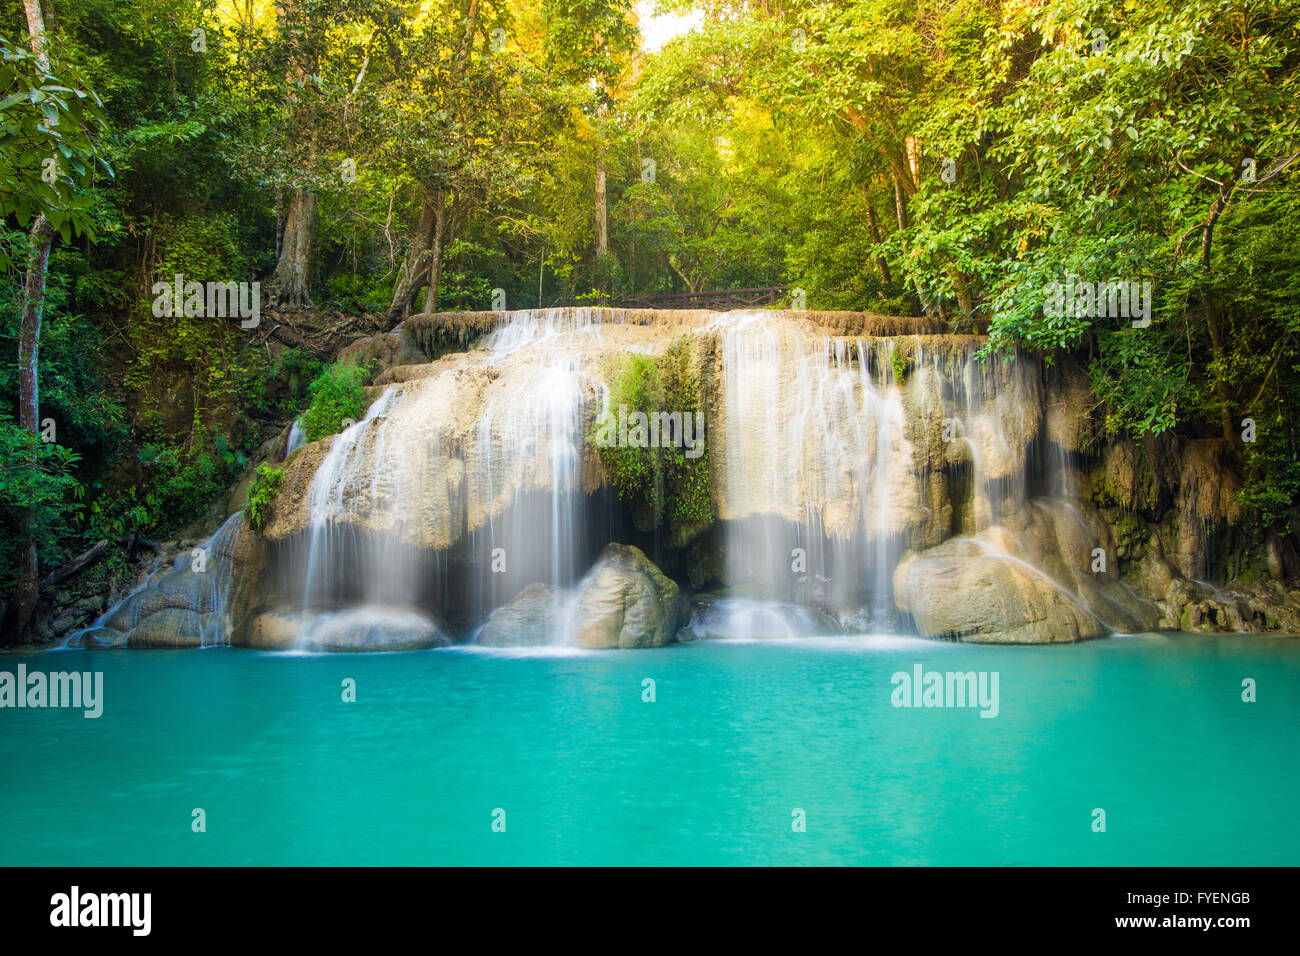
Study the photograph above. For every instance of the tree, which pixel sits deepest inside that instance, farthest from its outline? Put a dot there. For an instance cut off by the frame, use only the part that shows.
(450, 141)
(46, 145)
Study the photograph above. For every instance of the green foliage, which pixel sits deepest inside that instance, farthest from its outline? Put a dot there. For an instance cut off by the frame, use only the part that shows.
(261, 494)
(185, 481)
(209, 355)
(898, 364)
(687, 480)
(276, 389)
(817, 165)
(76, 389)
(337, 393)
(1272, 486)
(663, 486)
(48, 158)
(359, 293)
(635, 473)
(38, 475)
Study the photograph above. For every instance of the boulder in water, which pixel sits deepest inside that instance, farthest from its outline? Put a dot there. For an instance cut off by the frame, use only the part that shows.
(966, 589)
(356, 629)
(272, 631)
(530, 620)
(625, 601)
(371, 629)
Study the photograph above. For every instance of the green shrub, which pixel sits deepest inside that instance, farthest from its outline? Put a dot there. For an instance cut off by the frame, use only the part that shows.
(276, 387)
(338, 393)
(37, 475)
(261, 494)
(359, 293)
(662, 486)
(899, 365)
(182, 484)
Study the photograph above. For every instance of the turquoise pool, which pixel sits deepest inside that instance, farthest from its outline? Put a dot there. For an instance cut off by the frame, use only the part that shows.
(1151, 729)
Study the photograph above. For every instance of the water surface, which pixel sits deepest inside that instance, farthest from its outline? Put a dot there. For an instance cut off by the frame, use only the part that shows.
(1152, 729)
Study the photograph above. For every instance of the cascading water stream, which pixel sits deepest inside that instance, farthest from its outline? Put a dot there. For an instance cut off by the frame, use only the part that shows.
(472, 479)
(511, 483)
(297, 438)
(816, 461)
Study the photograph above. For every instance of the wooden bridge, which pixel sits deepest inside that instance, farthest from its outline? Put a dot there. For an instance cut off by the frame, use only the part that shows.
(720, 299)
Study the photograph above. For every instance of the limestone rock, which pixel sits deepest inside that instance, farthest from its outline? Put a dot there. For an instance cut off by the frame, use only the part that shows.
(271, 631)
(372, 629)
(625, 601)
(96, 637)
(169, 627)
(966, 588)
(354, 630)
(382, 351)
(532, 619)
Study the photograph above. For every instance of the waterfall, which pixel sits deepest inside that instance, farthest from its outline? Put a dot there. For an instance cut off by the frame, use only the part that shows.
(827, 466)
(472, 479)
(485, 455)
(297, 438)
(818, 470)
(827, 460)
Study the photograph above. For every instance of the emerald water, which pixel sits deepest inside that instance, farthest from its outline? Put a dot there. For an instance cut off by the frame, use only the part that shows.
(1152, 729)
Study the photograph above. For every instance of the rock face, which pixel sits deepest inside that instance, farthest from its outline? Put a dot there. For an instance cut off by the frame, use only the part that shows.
(836, 446)
(448, 446)
(453, 443)
(625, 601)
(192, 601)
(1192, 606)
(966, 588)
(532, 619)
(272, 631)
(171, 627)
(1049, 574)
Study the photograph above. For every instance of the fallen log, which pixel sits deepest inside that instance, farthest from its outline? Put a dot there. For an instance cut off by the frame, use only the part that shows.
(75, 566)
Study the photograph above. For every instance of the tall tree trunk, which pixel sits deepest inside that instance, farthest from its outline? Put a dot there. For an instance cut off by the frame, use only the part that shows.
(602, 202)
(440, 232)
(900, 202)
(965, 300)
(875, 237)
(901, 193)
(29, 338)
(36, 30)
(415, 266)
(602, 211)
(29, 349)
(290, 284)
(29, 416)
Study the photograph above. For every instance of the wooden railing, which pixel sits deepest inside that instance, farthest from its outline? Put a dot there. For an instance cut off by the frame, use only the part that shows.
(720, 299)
